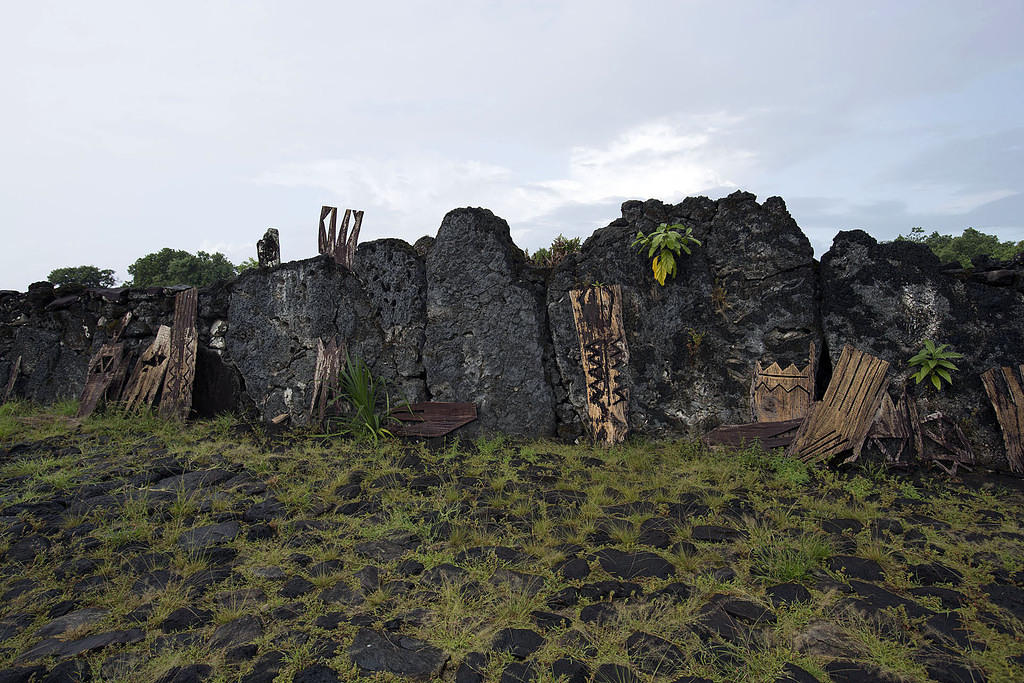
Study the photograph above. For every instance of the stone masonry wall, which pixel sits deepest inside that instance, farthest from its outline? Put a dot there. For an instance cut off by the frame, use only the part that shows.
(466, 317)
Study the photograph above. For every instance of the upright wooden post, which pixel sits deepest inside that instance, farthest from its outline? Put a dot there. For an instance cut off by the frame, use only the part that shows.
(778, 394)
(598, 315)
(1004, 388)
(176, 400)
(148, 375)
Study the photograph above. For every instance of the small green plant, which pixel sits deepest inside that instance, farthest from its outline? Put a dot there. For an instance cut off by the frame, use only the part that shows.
(561, 246)
(368, 399)
(663, 246)
(934, 363)
(694, 342)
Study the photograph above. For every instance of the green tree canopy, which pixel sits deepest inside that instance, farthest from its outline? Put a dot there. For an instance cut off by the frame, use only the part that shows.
(169, 267)
(86, 276)
(963, 249)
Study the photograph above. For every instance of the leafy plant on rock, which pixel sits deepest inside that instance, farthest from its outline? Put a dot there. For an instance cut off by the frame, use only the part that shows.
(664, 245)
(561, 246)
(368, 399)
(934, 363)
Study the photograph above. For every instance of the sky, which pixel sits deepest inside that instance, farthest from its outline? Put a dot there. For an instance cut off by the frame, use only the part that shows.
(126, 127)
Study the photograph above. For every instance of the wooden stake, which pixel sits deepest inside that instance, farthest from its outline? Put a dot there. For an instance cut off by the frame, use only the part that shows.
(176, 400)
(148, 375)
(1003, 386)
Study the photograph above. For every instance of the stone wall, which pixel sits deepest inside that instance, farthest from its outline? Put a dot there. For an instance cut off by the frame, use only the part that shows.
(464, 316)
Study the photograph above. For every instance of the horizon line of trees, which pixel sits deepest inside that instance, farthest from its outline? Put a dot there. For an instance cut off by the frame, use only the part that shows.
(164, 268)
(169, 267)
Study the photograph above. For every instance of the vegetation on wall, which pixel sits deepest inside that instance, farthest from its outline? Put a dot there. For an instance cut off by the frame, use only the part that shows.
(169, 267)
(963, 249)
(549, 257)
(83, 276)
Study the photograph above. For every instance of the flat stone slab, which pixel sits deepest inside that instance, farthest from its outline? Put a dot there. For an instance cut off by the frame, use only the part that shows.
(374, 651)
(205, 537)
(70, 621)
(62, 649)
(632, 565)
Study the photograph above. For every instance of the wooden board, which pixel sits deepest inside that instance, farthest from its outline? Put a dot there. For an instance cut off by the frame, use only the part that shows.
(325, 236)
(840, 422)
(778, 394)
(433, 419)
(325, 378)
(104, 378)
(947, 445)
(148, 375)
(1005, 389)
(896, 430)
(598, 315)
(15, 371)
(777, 434)
(176, 399)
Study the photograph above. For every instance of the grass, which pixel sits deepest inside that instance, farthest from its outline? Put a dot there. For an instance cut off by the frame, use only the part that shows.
(782, 504)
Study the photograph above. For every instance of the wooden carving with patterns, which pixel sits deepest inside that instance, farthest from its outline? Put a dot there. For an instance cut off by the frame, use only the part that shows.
(148, 376)
(104, 378)
(341, 246)
(598, 315)
(325, 378)
(176, 399)
(778, 394)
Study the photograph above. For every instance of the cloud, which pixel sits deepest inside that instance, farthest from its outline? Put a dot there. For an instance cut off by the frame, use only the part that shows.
(662, 158)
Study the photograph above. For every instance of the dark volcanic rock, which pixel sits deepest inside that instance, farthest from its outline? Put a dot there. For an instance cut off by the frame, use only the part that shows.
(373, 651)
(749, 290)
(519, 672)
(887, 298)
(237, 632)
(788, 593)
(206, 537)
(519, 642)
(654, 655)
(855, 567)
(72, 648)
(633, 565)
(486, 333)
(471, 670)
(615, 673)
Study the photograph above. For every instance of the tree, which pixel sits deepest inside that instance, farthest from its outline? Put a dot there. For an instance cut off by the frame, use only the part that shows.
(169, 267)
(970, 245)
(84, 276)
(247, 264)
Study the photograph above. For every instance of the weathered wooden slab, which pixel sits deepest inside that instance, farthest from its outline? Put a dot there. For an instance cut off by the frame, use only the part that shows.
(176, 398)
(147, 377)
(598, 315)
(778, 394)
(896, 430)
(777, 434)
(325, 236)
(325, 378)
(340, 246)
(433, 419)
(15, 371)
(947, 443)
(840, 422)
(1005, 389)
(104, 378)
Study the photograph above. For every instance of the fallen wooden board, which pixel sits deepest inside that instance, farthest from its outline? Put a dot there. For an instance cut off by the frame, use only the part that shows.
(598, 315)
(778, 394)
(15, 371)
(777, 434)
(148, 375)
(176, 398)
(433, 418)
(840, 422)
(103, 379)
(1004, 388)
(325, 378)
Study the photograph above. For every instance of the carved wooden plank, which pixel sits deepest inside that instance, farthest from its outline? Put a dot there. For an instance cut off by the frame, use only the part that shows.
(104, 378)
(778, 394)
(433, 419)
(148, 375)
(895, 428)
(325, 378)
(1004, 388)
(598, 315)
(15, 371)
(770, 434)
(176, 399)
(840, 422)
(325, 238)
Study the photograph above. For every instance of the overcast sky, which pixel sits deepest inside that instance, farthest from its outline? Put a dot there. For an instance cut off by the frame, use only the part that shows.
(128, 127)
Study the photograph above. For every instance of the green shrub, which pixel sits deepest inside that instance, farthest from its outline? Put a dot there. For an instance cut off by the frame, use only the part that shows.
(664, 245)
(934, 363)
(549, 257)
